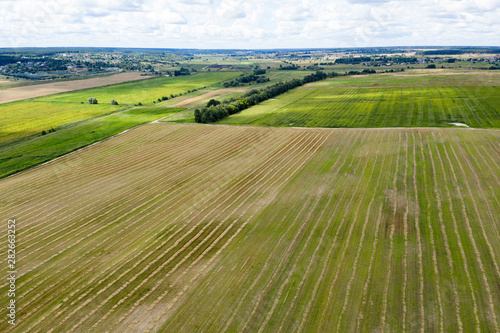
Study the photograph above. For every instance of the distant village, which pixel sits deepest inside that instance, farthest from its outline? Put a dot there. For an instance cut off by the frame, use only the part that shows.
(50, 65)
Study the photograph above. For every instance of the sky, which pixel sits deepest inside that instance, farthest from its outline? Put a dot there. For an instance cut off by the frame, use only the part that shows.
(256, 24)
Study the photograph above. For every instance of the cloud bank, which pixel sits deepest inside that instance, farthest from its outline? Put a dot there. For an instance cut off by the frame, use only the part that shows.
(248, 24)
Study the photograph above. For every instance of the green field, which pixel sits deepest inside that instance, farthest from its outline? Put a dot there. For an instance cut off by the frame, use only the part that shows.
(187, 228)
(28, 152)
(383, 101)
(26, 118)
(145, 91)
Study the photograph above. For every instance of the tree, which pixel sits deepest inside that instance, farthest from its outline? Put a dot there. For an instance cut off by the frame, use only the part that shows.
(197, 116)
(92, 100)
(113, 102)
(212, 102)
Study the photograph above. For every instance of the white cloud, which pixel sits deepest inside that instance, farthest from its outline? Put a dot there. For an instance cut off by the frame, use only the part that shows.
(231, 9)
(245, 24)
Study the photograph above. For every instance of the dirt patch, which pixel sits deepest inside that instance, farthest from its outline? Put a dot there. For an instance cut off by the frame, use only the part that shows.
(219, 92)
(20, 93)
(317, 84)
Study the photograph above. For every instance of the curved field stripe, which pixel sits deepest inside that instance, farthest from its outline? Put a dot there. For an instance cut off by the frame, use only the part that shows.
(114, 235)
(346, 245)
(448, 254)
(177, 188)
(316, 250)
(130, 310)
(192, 264)
(283, 261)
(391, 245)
(274, 153)
(419, 241)
(155, 182)
(360, 245)
(372, 257)
(432, 242)
(146, 250)
(476, 209)
(261, 273)
(445, 238)
(297, 258)
(459, 240)
(135, 276)
(151, 326)
(405, 227)
(118, 240)
(487, 165)
(471, 236)
(56, 226)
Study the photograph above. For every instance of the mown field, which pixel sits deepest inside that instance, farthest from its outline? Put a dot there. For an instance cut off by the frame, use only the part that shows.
(395, 100)
(29, 117)
(28, 152)
(146, 91)
(29, 89)
(182, 228)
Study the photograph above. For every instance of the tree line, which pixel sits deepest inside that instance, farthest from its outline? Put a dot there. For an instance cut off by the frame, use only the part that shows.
(245, 79)
(214, 111)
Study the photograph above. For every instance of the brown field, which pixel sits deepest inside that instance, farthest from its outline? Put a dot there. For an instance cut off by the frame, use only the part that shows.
(31, 91)
(187, 228)
(212, 94)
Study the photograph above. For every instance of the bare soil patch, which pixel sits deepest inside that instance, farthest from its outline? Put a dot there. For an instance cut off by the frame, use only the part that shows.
(20, 93)
(218, 92)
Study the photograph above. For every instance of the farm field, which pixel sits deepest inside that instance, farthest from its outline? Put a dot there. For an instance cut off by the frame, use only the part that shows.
(145, 91)
(25, 118)
(380, 101)
(28, 152)
(37, 90)
(182, 228)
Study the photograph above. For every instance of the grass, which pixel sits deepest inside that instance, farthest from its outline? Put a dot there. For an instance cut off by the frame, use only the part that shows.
(382, 101)
(28, 152)
(26, 118)
(30, 117)
(261, 229)
(187, 116)
(145, 91)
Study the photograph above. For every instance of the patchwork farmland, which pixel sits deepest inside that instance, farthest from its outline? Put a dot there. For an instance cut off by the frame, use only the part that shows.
(29, 117)
(220, 228)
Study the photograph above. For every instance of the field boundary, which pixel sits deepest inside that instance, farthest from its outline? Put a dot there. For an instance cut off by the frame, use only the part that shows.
(33, 91)
(158, 121)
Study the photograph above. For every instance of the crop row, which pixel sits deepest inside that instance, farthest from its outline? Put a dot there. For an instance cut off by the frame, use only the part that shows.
(323, 106)
(216, 228)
